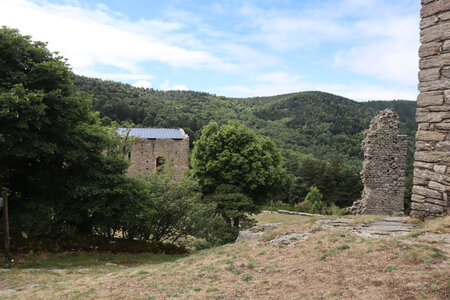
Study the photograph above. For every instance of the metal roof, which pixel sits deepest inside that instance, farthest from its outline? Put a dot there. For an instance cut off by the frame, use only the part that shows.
(155, 133)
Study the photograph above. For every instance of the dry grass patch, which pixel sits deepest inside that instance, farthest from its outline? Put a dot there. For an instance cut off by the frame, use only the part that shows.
(327, 265)
(438, 225)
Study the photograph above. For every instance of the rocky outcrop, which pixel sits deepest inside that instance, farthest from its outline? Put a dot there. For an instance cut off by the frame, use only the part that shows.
(431, 190)
(383, 172)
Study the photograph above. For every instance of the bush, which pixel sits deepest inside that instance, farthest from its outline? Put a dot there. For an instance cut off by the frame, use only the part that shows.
(167, 213)
(335, 210)
(313, 202)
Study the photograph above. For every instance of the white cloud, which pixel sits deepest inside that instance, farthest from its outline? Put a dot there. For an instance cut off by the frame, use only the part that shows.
(271, 84)
(390, 57)
(96, 36)
(114, 76)
(370, 37)
(176, 87)
(143, 83)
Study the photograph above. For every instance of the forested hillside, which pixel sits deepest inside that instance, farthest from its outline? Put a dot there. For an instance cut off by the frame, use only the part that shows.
(327, 127)
(322, 124)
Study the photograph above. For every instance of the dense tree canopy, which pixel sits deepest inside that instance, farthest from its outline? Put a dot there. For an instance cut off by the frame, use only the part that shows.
(52, 145)
(235, 155)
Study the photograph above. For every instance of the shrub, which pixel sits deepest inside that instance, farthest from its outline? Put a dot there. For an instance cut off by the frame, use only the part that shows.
(313, 202)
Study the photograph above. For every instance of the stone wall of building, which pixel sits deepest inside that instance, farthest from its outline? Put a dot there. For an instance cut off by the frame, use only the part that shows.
(383, 172)
(431, 188)
(145, 153)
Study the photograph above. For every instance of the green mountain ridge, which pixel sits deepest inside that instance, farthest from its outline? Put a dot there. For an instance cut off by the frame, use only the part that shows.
(318, 123)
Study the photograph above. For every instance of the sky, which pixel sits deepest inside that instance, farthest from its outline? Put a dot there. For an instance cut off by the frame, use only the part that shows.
(360, 49)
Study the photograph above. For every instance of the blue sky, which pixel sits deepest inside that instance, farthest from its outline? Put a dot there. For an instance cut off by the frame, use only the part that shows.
(360, 49)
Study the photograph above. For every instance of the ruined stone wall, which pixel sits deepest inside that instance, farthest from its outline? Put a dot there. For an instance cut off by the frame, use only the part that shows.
(144, 155)
(430, 195)
(383, 172)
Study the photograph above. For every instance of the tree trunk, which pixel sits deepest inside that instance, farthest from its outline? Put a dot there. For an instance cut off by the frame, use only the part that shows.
(6, 239)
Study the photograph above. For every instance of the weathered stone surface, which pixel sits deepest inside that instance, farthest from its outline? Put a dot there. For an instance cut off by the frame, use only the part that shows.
(434, 85)
(255, 231)
(435, 33)
(447, 96)
(443, 146)
(426, 192)
(445, 47)
(430, 98)
(437, 61)
(445, 72)
(439, 108)
(429, 21)
(431, 156)
(424, 126)
(383, 172)
(429, 74)
(417, 198)
(289, 239)
(420, 210)
(444, 16)
(443, 126)
(424, 165)
(431, 117)
(391, 226)
(423, 135)
(431, 175)
(437, 186)
(424, 146)
(439, 169)
(433, 8)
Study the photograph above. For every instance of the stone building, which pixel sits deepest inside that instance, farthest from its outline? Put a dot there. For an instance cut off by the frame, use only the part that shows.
(154, 147)
(383, 172)
(430, 194)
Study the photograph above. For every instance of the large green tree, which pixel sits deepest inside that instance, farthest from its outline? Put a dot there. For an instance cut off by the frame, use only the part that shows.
(52, 145)
(234, 155)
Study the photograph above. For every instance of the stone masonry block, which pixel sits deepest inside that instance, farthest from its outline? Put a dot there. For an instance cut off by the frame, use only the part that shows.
(431, 156)
(426, 192)
(438, 186)
(428, 21)
(430, 74)
(431, 117)
(430, 136)
(437, 61)
(434, 85)
(433, 8)
(429, 49)
(444, 16)
(439, 169)
(435, 33)
(444, 146)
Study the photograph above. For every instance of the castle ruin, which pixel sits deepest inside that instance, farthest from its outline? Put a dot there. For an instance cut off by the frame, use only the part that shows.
(154, 147)
(430, 194)
(383, 172)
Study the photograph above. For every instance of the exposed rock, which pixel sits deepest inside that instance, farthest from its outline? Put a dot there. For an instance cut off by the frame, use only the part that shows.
(289, 239)
(391, 226)
(255, 231)
(436, 237)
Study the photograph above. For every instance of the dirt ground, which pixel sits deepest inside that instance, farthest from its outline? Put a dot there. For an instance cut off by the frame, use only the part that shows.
(327, 265)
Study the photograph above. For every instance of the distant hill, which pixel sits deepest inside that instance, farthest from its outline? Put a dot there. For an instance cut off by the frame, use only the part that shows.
(322, 124)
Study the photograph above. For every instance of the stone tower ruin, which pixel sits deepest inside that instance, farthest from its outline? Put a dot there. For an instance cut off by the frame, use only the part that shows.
(430, 194)
(383, 172)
